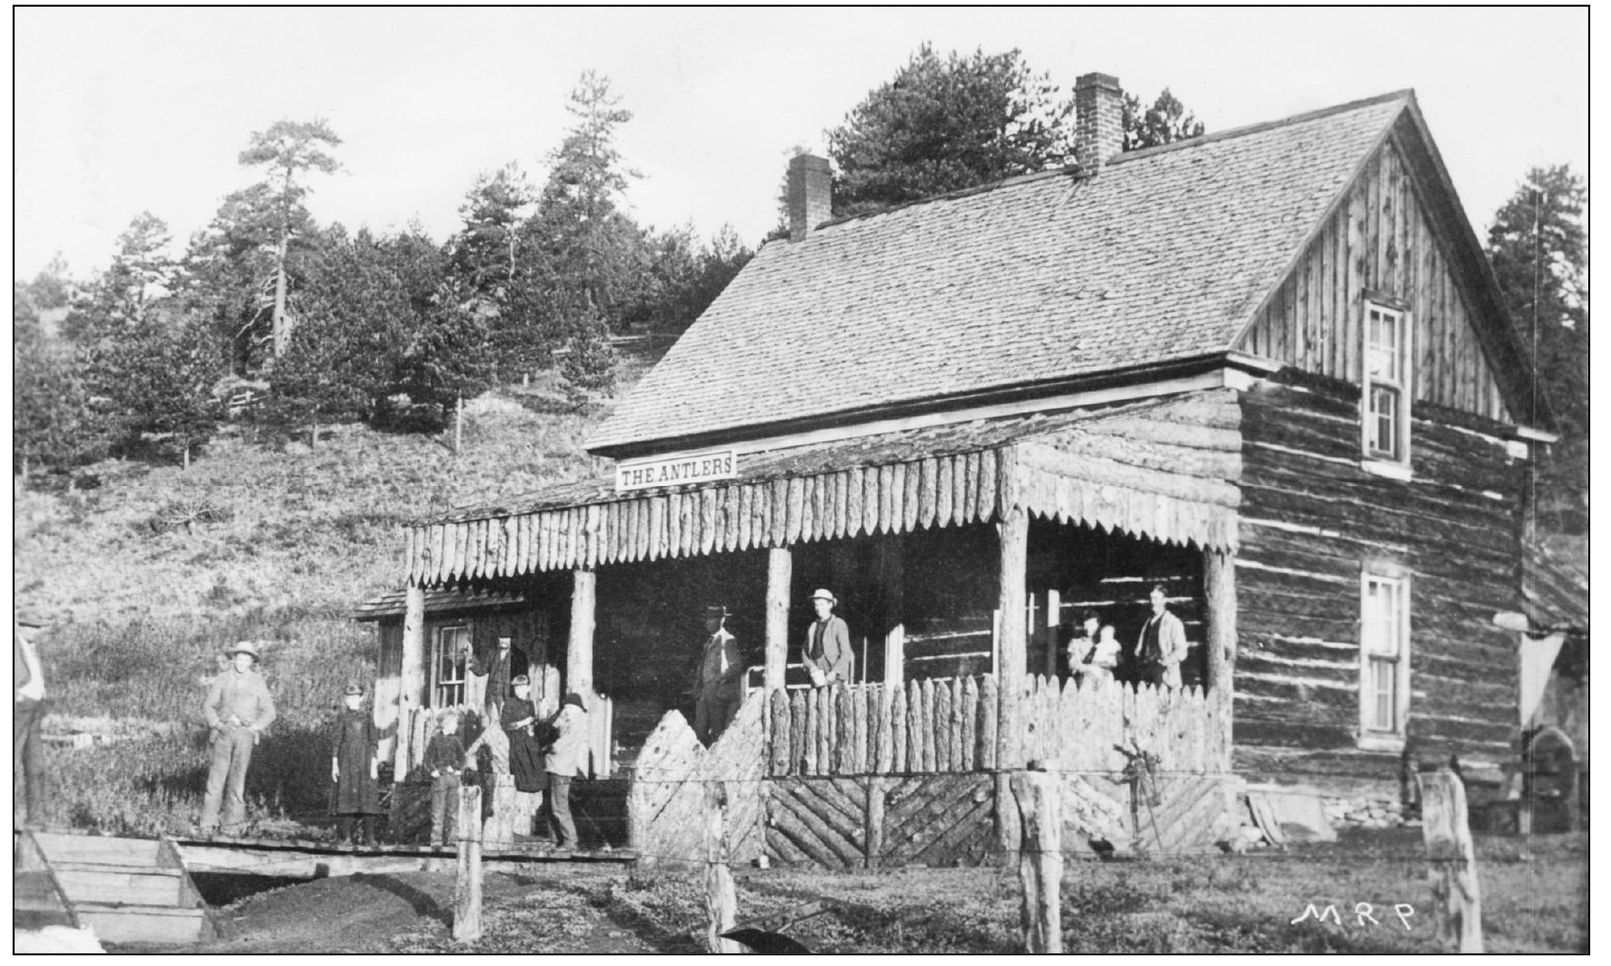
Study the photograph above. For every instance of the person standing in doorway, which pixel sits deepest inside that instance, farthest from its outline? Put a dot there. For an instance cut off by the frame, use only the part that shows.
(719, 679)
(354, 768)
(567, 758)
(497, 670)
(27, 721)
(1083, 645)
(1162, 645)
(519, 723)
(828, 657)
(239, 709)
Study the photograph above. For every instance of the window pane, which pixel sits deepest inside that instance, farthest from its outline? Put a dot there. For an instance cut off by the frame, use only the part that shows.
(1384, 694)
(1382, 345)
(1383, 424)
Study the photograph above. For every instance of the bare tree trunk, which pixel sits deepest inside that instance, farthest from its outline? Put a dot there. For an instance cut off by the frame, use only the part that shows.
(187, 457)
(458, 424)
(282, 332)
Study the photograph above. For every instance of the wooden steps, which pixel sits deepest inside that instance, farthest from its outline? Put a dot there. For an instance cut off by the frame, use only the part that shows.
(126, 890)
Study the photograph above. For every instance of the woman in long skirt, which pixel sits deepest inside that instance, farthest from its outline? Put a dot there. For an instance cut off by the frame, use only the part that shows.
(519, 720)
(354, 768)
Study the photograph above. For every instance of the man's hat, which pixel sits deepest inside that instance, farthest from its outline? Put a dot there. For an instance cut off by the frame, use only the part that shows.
(27, 618)
(503, 642)
(822, 594)
(352, 688)
(519, 680)
(576, 699)
(717, 610)
(245, 647)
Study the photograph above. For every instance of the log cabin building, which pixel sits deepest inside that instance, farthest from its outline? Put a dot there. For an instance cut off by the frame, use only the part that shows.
(1268, 368)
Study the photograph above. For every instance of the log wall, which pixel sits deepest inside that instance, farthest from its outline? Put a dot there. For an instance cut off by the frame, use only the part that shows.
(1380, 238)
(1310, 518)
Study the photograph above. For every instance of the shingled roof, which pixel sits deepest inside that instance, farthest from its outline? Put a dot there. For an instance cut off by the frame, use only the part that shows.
(1165, 255)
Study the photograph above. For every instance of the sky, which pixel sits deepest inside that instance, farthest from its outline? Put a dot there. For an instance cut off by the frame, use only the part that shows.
(117, 111)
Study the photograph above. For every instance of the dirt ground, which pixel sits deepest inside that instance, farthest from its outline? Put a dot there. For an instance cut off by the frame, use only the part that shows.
(1533, 894)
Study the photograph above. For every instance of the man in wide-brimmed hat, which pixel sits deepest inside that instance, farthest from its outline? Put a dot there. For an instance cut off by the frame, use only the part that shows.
(567, 758)
(27, 719)
(827, 654)
(238, 709)
(719, 678)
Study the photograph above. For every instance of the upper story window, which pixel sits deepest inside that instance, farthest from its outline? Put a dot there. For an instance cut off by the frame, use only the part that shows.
(1388, 381)
(449, 667)
(1384, 657)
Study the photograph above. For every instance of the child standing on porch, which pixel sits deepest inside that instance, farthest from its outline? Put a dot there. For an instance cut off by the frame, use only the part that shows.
(443, 758)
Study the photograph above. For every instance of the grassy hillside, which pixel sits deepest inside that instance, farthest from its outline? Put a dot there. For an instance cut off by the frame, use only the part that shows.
(291, 538)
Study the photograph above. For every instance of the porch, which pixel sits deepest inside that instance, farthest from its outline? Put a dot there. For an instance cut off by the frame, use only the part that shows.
(960, 553)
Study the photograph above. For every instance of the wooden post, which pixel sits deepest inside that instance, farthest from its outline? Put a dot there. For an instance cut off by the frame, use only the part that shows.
(721, 899)
(1040, 861)
(1014, 531)
(779, 574)
(467, 889)
(411, 687)
(1054, 617)
(1219, 587)
(894, 561)
(579, 656)
(1457, 901)
(875, 820)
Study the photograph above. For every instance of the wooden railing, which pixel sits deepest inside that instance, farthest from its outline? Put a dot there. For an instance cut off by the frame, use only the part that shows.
(951, 725)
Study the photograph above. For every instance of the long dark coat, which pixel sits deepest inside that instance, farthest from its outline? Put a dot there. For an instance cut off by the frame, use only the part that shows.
(353, 739)
(525, 751)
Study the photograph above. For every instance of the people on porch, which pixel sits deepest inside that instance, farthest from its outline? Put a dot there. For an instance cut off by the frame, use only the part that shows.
(238, 709)
(827, 654)
(496, 669)
(444, 758)
(1162, 645)
(1083, 644)
(520, 724)
(354, 768)
(567, 758)
(718, 679)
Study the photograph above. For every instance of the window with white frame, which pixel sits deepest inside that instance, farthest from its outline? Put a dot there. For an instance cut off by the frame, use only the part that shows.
(1384, 646)
(449, 666)
(1387, 380)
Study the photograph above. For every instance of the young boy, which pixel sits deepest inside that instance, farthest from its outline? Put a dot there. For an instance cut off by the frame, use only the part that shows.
(444, 756)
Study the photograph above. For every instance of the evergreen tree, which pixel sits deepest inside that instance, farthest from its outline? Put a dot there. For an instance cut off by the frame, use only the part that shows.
(484, 251)
(1165, 121)
(945, 124)
(1538, 247)
(289, 150)
(49, 408)
(589, 364)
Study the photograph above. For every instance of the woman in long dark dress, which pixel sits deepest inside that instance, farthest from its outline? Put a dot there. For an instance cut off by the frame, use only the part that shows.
(519, 720)
(354, 768)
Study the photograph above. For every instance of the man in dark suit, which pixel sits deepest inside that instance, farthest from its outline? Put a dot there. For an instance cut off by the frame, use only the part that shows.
(827, 653)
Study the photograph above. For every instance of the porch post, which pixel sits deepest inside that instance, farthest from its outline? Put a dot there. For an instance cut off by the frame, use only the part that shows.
(411, 684)
(779, 574)
(579, 655)
(1219, 588)
(894, 561)
(1014, 531)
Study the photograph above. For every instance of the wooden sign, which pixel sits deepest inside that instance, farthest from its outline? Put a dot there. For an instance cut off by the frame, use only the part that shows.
(677, 470)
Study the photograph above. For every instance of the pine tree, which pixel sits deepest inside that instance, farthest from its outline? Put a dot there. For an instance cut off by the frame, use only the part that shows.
(1165, 121)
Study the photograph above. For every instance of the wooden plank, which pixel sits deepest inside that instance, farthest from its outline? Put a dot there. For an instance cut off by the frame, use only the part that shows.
(844, 710)
(971, 486)
(877, 726)
(968, 725)
(944, 491)
(899, 513)
(1356, 279)
(932, 737)
(853, 508)
(897, 730)
(954, 726)
(801, 743)
(870, 500)
(941, 716)
(989, 722)
(707, 520)
(959, 490)
(856, 763)
(914, 727)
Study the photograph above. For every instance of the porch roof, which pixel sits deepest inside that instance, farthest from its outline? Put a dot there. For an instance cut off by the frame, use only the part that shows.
(438, 601)
(1161, 468)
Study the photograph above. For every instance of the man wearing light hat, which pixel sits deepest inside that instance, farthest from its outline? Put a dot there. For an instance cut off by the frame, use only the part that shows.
(27, 719)
(719, 680)
(238, 709)
(567, 758)
(828, 658)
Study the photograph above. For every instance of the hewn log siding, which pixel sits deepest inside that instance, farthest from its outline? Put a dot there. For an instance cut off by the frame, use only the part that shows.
(1380, 238)
(1311, 516)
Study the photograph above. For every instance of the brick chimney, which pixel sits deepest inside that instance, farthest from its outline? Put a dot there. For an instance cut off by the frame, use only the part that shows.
(810, 194)
(1098, 120)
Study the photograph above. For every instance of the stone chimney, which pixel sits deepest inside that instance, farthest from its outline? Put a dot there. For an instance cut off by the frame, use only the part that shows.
(1098, 120)
(810, 194)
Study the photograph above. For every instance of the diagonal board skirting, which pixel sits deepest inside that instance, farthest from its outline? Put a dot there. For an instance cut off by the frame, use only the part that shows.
(127, 890)
(665, 802)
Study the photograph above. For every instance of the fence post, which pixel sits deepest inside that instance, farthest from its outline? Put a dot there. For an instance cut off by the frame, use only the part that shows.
(721, 899)
(467, 889)
(1040, 861)
(1458, 904)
